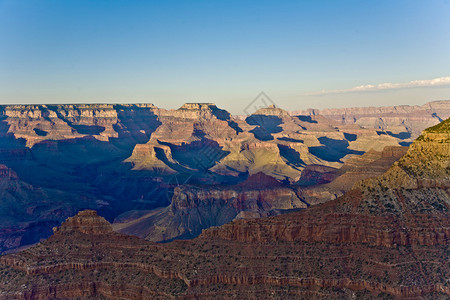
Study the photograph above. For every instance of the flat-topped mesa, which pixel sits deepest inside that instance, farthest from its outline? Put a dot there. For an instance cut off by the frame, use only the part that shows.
(197, 106)
(271, 110)
(133, 105)
(197, 110)
(87, 222)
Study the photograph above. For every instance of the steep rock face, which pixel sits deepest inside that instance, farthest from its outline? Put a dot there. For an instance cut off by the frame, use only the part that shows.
(396, 119)
(86, 259)
(183, 134)
(195, 208)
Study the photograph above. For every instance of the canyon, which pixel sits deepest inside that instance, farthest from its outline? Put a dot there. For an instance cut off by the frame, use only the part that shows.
(387, 237)
(143, 165)
(197, 207)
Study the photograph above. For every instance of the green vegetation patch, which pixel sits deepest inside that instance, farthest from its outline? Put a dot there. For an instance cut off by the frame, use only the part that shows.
(443, 127)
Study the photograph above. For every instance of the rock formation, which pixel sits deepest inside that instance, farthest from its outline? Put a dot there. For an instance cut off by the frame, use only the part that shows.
(336, 182)
(36, 123)
(195, 208)
(130, 158)
(85, 259)
(201, 137)
(412, 193)
(386, 238)
(86, 222)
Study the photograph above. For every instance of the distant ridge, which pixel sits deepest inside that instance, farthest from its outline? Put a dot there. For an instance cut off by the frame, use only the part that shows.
(412, 118)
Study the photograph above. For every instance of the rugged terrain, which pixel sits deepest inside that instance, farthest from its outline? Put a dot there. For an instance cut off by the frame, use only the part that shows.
(28, 213)
(197, 207)
(386, 238)
(194, 208)
(201, 137)
(403, 119)
(321, 185)
(128, 160)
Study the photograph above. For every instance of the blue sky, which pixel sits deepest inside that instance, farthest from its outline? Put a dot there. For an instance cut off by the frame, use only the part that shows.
(171, 52)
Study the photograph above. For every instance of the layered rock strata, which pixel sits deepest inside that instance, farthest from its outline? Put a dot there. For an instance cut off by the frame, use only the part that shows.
(195, 208)
(387, 237)
(395, 119)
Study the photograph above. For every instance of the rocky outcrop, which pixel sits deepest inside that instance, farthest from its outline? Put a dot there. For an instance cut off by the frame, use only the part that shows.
(86, 244)
(87, 222)
(348, 228)
(407, 205)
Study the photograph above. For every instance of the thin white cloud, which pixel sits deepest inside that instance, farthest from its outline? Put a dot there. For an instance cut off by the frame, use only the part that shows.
(387, 86)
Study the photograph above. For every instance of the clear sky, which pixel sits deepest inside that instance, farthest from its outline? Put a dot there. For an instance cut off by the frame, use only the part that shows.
(301, 53)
